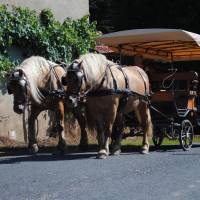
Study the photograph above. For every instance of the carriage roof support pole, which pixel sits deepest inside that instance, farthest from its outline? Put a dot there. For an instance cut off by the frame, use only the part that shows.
(172, 59)
(171, 62)
(120, 54)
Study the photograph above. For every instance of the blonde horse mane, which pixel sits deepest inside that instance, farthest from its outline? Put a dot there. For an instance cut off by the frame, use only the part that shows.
(94, 66)
(36, 69)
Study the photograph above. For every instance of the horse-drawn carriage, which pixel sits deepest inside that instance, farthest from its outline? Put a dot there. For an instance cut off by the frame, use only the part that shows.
(173, 101)
(110, 92)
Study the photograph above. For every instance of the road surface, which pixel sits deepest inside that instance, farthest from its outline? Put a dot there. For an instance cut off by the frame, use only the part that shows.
(165, 174)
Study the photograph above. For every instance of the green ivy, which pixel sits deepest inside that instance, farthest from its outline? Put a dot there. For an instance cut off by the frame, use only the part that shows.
(43, 35)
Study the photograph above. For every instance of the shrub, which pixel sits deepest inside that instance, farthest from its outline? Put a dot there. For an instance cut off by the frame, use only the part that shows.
(43, 35)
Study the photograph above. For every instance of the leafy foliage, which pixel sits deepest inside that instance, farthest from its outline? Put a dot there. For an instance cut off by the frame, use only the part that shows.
(43, 35)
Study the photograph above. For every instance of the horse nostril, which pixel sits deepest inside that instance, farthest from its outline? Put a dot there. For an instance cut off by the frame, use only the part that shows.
(73, 101)
(18, 110)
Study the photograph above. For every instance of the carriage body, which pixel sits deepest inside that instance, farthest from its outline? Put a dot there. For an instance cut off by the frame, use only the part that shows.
(174, 107)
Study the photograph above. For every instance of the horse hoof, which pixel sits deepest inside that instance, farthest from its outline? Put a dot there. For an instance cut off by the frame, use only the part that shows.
(101, 156)
(144, 151)
(116, 152)
(33, 149)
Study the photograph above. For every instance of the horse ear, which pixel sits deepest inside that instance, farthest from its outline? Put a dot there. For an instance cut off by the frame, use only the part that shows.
(76, 66)
(79, 65)
(20, 72)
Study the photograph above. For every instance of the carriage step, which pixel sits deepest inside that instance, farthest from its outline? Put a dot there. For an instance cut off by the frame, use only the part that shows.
(182, 112)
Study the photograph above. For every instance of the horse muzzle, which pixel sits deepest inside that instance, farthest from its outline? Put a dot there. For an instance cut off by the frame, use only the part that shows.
(18, 108)
(72, 102)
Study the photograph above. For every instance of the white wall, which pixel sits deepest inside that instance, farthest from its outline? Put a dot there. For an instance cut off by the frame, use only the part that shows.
(61, 8)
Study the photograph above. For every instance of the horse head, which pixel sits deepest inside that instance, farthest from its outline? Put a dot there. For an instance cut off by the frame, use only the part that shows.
(17, 85)
(74, 79)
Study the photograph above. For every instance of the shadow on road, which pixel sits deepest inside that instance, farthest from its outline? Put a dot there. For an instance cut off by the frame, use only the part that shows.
(45, 158)
(9, 156)
(171, 148)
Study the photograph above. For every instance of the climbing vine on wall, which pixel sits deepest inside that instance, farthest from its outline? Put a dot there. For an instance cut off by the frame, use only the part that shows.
(43, 35)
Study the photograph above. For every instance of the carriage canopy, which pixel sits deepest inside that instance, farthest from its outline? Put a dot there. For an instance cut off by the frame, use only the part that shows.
(157, 44)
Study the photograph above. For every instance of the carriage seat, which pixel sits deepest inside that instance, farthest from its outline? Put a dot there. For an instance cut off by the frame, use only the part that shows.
(181, 93)
(184, 83)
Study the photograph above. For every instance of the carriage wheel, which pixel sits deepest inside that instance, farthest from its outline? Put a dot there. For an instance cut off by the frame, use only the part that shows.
(186, 135)
(157, 138)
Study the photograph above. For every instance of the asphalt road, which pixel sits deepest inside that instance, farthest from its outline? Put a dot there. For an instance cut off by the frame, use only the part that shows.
(167, 174)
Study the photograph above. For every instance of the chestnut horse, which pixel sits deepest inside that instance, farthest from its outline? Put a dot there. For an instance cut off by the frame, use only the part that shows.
(110, 91)
(31, 85)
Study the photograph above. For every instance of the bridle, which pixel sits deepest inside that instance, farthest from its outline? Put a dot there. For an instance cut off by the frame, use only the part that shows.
(21, 79)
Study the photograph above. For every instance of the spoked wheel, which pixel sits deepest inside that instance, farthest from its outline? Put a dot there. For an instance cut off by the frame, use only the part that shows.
(186, 135)
(158, 138)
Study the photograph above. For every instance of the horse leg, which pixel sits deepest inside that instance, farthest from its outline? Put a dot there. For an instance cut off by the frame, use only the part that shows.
(82, 123)
(32, 138)
(103, 144)
(52, 124)
(116, 135)
(107, 130)
(60, 128)
(145, 120)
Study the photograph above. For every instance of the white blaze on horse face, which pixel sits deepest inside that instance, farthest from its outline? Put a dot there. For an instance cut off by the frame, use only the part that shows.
(22, 83)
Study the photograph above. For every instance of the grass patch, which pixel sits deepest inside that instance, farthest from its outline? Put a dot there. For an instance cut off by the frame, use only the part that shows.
(137, 141)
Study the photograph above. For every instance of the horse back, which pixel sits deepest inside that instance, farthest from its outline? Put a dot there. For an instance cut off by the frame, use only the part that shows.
(136, 78)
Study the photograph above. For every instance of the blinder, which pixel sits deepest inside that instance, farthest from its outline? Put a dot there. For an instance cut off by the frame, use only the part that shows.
(17, 77)
(74, 73)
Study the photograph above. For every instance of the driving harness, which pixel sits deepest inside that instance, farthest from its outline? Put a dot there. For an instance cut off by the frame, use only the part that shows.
(126, 92)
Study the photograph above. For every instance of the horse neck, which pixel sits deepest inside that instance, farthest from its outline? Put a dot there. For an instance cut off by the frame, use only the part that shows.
(55, 77)
(37, 80)
(94, 77)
